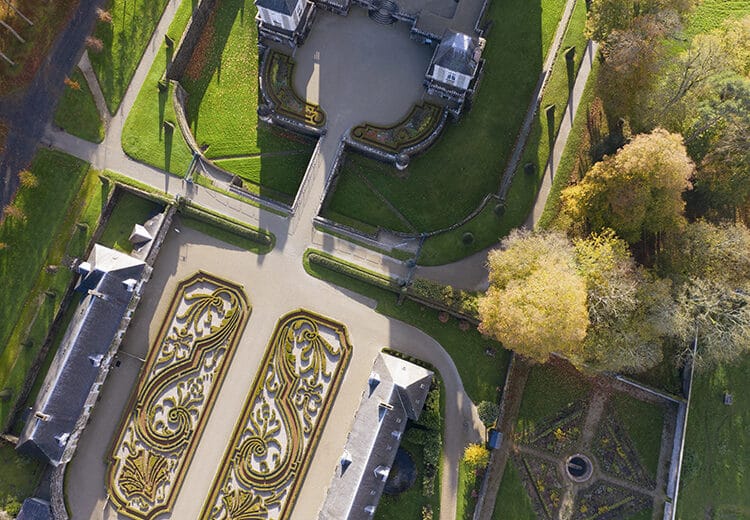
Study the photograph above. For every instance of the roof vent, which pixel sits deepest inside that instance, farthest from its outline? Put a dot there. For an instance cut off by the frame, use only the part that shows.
(346, 460)
(97, 294)
(129, 284)
(373, 381)
(370, 510)
(96, 360)
(382, 472)
(62, 439)
(84, 268)
(383, 409)
(42, 416)
(396, 434)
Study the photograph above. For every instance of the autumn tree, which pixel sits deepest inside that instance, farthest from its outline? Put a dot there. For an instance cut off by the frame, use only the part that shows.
(476, 456)
(607, 16)
(27, 179)
(536, 302)
(629, 309)
(718, 316)
(715, 252)
(636, 192)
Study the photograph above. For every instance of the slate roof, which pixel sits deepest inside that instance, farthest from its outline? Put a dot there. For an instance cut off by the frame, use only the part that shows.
(456, 52)
(280, 6)
(35, 509)
(108, 279)
(396, 392)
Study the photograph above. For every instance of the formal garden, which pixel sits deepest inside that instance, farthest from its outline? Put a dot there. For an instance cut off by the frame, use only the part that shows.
(584, 448)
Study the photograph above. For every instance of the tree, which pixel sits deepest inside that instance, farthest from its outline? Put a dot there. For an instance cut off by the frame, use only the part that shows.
(714, 252)
(488, 412)
(636, 192)
(606, 16)
(94, 44)
(14, 212)
(476, 456)
(28, 179)
(536, 302)
(629, 310)
(718, 316)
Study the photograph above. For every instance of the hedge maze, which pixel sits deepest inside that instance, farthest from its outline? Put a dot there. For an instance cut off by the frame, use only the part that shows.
(282, 419)
(176, 392)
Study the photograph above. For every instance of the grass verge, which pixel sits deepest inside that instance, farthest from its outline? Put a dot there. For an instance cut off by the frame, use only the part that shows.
(77, 113)
(644, 423)
(716, 466)
(512, 500)
(550, 388)
(481, 375)
(125, 40)
(468, 486)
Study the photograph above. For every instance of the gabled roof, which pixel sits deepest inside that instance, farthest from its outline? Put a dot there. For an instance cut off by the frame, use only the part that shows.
(280, 6)
(35, 509)
(457, 52)
(395, 392)
(108, 279)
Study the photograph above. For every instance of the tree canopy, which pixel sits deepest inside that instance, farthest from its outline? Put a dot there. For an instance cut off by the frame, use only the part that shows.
(536, 303)
(638, 191)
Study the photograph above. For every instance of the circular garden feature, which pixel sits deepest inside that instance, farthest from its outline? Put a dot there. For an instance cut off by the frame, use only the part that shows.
(402, 475)
(578, 467)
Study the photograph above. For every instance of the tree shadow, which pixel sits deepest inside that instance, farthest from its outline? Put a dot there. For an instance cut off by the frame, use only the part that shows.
(168, 137)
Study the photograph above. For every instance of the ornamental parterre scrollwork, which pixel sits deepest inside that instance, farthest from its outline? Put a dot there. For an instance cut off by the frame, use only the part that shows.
(177, 389)
(274, 441)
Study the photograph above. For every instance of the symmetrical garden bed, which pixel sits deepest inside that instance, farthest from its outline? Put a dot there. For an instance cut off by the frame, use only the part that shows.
(277, 77)
(421, 122)
(280, 426)
(178, 386)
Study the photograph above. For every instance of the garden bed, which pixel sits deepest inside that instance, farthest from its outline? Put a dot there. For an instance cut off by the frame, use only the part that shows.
(278, 77)
(422, 121)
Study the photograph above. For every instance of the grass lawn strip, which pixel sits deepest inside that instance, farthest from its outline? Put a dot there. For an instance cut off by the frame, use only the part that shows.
(715, 473)
(710, 14)
(49, 234)
(223, 101)
(130, 210)
(482, 375)
(125, 40)
(450, 181)
(144, 137)
(468, 486)
(512, 500)
(77, 113)
(542, 398)
(644, 423)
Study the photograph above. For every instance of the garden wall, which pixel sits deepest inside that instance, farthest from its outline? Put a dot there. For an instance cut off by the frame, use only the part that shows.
(190, 37)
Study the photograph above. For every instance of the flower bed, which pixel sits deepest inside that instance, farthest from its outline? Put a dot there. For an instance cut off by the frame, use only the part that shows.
(607, 501)
(277, 76)
(543, 483)
(556, 434)
(421, 122)
(616, 454)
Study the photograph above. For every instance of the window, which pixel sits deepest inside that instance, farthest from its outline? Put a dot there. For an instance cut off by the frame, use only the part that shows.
(450, 78)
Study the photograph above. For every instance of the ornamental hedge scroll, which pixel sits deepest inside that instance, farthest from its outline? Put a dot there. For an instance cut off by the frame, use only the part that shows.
(274, 441)
(176, 392)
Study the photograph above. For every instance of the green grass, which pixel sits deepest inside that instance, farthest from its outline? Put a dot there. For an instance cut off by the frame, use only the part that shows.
(125, 40)
(66, 195)
(644, 422)
(716, 468)
(512, 500)
(19, 476)
(77, 113)
(222, 84)
(550, 389)
(448, 182)
(224, 235)
(129, 210)
(144, 137)
(710, 14)
(481, 375)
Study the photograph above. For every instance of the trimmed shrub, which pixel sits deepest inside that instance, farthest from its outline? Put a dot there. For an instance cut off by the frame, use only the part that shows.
(256, 235)
(353, 271)
(488, 412)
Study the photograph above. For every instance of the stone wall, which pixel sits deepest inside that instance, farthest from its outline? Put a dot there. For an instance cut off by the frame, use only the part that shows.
(184, 50)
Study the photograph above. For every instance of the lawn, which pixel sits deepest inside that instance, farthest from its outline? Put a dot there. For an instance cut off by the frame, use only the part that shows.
(125, 40)
(644, 423)
(512, 500)
(710, 14)
(61, 213)
(144, 136)
(129, 210)
(18, 478)
(77, 113)
(549, 388)
(481, 375)
(716, 466)
(222, 84)
(466, 164)
(468, 485)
